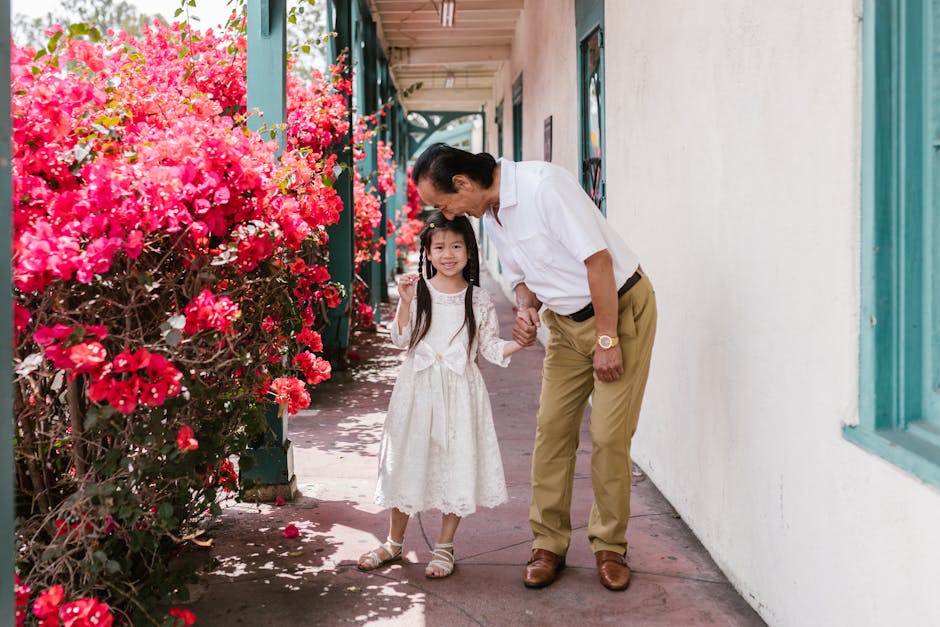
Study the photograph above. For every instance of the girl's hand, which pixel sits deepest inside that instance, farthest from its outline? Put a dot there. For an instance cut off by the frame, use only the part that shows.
(406, 287)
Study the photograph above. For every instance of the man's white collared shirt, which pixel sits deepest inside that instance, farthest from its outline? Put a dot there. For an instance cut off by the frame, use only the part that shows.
(549, 226)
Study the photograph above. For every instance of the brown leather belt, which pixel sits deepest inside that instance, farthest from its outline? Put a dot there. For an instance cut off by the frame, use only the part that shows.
(588, 311)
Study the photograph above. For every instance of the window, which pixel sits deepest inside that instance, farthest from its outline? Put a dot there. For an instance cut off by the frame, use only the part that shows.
(499, 130)
(899, 399)
(517, 119)
(589, 16)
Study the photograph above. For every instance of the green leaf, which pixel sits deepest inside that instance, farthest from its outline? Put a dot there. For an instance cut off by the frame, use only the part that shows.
(112, 567)
(54, 41)
(165, 510)
(91, 418)
(100, 556)
(173, 338)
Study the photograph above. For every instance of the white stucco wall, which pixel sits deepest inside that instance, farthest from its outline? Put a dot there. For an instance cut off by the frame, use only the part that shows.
(544, 51)
(733, 169)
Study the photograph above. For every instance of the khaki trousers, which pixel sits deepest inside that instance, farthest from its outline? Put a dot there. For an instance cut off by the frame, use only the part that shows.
(567, 382)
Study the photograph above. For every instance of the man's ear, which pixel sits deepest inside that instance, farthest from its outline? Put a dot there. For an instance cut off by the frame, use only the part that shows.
(461, 182)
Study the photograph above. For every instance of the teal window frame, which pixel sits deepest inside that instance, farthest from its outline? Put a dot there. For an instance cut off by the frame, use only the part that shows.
(589, 23)
(517, 119)
(899, 339)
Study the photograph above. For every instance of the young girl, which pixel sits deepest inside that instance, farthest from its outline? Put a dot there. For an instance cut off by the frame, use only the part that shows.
(439, 447)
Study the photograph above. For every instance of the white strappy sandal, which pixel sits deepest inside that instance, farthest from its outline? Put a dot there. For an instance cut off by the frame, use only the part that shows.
(443, 559)
(371, 560)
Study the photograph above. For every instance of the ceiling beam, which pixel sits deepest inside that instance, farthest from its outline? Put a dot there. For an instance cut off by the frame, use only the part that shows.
(442, 93)
(385, 6)
(445, 55)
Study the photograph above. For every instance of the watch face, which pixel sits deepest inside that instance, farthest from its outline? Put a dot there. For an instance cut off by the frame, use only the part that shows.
(604, 341)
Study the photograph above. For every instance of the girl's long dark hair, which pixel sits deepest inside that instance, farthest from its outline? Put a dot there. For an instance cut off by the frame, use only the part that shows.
(437, 223)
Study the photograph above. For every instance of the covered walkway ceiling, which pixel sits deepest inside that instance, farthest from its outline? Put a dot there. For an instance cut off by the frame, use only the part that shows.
(456, 65)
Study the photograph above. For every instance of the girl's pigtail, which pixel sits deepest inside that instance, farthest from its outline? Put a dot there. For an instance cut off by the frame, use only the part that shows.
(422, 304)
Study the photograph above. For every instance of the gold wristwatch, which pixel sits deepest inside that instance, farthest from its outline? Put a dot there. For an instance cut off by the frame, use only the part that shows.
(605, 341)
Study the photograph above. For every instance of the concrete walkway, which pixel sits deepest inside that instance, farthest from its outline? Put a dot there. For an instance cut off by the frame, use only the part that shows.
(267, 580)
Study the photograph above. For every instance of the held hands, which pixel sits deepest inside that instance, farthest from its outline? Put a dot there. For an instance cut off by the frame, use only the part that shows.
(406, 287)
(526, 326)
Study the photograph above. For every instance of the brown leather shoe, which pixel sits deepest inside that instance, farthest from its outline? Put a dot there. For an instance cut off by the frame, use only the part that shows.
(612, 570)
(543, 568)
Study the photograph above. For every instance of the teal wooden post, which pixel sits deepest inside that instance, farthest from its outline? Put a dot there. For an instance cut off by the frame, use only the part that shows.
(371, 98)
(7, 550)
(273, 472)
(341, 234)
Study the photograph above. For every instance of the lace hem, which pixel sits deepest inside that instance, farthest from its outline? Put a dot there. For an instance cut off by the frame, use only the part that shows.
(462, 508)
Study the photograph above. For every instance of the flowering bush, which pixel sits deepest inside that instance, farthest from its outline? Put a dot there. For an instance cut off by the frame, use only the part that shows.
(169, 273)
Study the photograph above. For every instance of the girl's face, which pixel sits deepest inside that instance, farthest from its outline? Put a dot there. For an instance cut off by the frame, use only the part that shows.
(448, 253)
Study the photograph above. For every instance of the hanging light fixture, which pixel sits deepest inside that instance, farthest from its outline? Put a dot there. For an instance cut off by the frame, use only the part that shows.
(448, 8)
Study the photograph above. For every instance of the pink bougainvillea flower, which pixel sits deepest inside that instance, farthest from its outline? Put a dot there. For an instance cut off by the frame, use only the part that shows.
(21, 599)
(316, 369)
(290, 531)
(279, 501)
(87, 612)
(44, 336)
(187, 616)
(123, 394)
(292, 392)
(46, 606)
(311, 339)
(268, 324)
(206, 312)
(21, 318)
(186, 439)
(87, 356)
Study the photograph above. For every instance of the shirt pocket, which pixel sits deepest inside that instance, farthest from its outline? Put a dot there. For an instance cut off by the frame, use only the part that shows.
(538, 251)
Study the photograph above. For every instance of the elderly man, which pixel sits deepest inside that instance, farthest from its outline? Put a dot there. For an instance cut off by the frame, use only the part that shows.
(558, 251)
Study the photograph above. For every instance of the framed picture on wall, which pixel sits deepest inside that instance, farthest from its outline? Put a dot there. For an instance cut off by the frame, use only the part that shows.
(548, 138)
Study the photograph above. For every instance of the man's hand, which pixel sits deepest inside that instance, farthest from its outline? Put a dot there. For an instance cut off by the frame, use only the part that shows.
(608, 363)
(526, 326)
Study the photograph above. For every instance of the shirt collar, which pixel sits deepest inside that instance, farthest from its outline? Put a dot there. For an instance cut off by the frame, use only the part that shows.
(507, 183)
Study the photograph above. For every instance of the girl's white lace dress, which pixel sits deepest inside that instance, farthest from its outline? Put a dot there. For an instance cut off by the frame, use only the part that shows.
(439, 447)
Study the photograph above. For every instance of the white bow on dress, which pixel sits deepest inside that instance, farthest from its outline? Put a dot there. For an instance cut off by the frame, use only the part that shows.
(455, 359)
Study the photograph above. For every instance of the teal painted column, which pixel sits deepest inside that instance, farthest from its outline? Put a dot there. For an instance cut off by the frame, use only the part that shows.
(272, 475)
(7, 504)
(370, 91)
(341, 234)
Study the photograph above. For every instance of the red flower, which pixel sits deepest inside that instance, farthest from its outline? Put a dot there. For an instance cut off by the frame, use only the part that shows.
(123, 395)
(46, 606)
(22, 599)
(87, 355)
(311, 339)
(88, 612)
(290, 391)
(290, 531)
(21, 318)
(188, 617)
(316, 369)
(279, 501)
(268, 324)
(186, 439)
